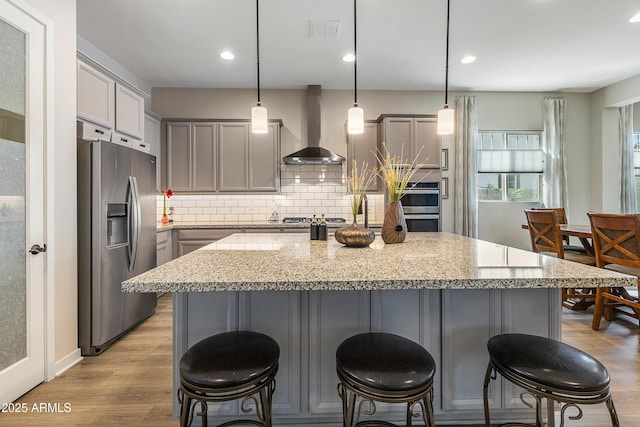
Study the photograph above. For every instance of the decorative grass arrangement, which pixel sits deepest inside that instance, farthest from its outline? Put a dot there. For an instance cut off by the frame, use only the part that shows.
(357, 183)
(396, 171)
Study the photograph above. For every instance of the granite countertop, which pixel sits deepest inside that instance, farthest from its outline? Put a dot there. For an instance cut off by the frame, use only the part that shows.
(244, 225)
(289, 261)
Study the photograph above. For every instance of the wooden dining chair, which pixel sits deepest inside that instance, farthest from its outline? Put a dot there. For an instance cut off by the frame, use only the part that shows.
(546, 238)
(563, 219)
(616, 241)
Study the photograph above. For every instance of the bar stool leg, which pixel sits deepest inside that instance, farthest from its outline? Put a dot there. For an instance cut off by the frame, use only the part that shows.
(185, 409)
(551, 413)
(266, 413)
(348, 405)
(539, 418)
(409, 413)
(485, 395)
(427, 412)
(612, 411)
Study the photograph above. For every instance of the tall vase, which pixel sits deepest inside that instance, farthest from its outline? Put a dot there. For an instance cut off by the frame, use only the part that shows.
(394, 226)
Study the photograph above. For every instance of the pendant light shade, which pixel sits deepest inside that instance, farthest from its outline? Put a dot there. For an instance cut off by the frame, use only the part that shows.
(259, 120)
(355, 120)
(445, 120)
(446, 115)
(355, 117)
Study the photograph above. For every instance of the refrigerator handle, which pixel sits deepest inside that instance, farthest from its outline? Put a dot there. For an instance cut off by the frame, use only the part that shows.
(134, 219)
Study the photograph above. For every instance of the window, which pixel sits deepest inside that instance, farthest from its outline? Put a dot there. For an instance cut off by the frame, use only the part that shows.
(509, 166)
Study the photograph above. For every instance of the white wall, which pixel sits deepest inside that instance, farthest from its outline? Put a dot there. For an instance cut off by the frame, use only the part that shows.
(605, 182)
(61, 220)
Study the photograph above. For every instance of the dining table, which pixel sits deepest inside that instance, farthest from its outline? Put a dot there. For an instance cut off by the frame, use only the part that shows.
(581, 231)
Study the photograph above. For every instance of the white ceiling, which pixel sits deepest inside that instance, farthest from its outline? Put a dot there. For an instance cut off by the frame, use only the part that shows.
(521, 45)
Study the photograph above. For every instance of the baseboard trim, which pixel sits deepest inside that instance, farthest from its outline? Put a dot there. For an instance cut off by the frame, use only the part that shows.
(67, 362)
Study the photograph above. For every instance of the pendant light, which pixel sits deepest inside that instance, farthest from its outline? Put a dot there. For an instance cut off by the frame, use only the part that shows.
(355, 117)
(446, 115)
(259, 122)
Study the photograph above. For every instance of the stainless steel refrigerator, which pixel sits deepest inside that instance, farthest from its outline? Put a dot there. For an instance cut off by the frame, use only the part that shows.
(116, 238)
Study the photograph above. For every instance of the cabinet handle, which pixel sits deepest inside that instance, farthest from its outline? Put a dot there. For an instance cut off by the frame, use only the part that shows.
(99, 131)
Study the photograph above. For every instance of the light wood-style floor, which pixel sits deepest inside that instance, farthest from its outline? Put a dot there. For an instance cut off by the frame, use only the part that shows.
(130, 384)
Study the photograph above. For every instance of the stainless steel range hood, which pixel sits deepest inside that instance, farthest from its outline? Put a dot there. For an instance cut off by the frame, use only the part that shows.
(313, 154)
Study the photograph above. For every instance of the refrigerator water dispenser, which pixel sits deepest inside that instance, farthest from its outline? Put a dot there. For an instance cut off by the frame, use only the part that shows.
(117, 229)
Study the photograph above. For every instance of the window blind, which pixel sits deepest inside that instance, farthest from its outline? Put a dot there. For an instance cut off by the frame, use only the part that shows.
(510, 161)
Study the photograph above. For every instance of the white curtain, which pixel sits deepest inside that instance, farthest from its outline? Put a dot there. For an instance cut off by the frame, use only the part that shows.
(466, 200)
(554, 179)
(627, 176)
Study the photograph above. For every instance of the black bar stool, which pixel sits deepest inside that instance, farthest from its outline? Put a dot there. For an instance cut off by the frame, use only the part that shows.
(550, 369)
(387, 368)
(229, 366)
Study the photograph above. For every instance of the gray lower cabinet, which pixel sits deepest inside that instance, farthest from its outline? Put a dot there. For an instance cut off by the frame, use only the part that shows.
(164, 248)
(221, 156)
(189, 240)
(454, 325)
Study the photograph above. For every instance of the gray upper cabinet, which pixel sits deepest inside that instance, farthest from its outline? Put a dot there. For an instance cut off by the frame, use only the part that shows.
(361, 148)
(408, 136)
(234, 152)
(191, 156)
(203, 160)
(222, 156)
(264, 160)
(178, 158)
(152, 131)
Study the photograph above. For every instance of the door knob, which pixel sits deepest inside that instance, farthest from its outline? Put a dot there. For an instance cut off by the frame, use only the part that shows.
(36, 249)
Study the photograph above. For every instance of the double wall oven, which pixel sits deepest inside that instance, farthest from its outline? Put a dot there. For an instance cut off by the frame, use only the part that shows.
(421, 203)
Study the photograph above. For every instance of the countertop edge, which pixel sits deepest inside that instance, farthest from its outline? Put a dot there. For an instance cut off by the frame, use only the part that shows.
(537, 283)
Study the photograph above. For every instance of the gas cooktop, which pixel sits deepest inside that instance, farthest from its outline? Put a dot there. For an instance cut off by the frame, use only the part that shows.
(301, 219)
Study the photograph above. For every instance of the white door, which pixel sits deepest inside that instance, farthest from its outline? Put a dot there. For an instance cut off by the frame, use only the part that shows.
(22, 130)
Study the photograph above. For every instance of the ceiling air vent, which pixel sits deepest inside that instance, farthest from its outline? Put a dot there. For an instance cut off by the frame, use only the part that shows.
(326, 29)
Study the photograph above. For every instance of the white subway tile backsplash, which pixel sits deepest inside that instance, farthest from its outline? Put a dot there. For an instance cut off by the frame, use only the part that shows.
(304, 191)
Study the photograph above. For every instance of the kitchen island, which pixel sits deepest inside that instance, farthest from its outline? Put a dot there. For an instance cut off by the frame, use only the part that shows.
(447, 292)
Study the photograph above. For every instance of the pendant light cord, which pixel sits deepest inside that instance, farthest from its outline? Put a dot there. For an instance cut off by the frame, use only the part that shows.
(355, 53)
(446, 73)
(258, 47)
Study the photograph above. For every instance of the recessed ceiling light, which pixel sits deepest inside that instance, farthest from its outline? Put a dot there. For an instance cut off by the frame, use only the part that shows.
(227, 55)
(635, 18)
(349, 57)
(468, 59)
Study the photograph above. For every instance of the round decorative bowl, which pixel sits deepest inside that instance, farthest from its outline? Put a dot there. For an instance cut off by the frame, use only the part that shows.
(354, 236)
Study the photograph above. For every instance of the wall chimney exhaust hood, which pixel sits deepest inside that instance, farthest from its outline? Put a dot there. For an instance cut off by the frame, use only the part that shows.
(313, 154)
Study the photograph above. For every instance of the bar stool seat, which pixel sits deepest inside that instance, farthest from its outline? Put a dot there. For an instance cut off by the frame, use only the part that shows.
(549, 369)
(387, 368)
(225, 367)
